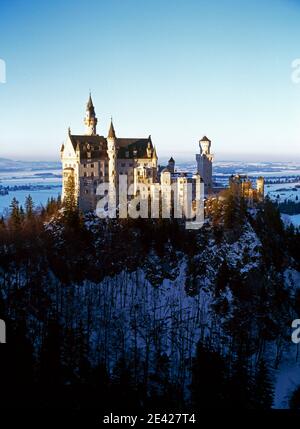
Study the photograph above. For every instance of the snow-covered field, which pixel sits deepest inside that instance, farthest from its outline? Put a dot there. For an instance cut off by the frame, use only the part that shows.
(45, 182)
(288, 219)
(40, 184)
(283, 191)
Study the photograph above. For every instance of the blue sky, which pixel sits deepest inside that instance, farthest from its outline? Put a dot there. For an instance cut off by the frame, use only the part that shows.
(174, 69)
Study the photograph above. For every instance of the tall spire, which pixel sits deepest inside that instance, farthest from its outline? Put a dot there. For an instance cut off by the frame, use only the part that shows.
(90, 119)
(111, 131)
(90, 105)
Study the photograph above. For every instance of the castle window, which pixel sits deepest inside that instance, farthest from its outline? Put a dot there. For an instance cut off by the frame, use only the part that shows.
(84, 165)
(86, 191)
(84, 174)
(92, 165)
(92, 174)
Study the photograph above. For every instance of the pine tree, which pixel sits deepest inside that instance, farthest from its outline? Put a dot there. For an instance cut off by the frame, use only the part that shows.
(242, 209)
(29, 206)
(15, 216)
(215, 212)
(222, 278)
(123, 389)
(82, 352)
(72, 215)
(263, 387)
(2, 223)
(161, 389)
(294, 402)
(209, 379)
(241, 383)
(230, 213)
(51, 370)
(22, 214)
(70, 200)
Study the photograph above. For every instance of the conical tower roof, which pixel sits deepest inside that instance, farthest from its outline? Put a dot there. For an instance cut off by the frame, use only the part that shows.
(111, 131)
(90, 105)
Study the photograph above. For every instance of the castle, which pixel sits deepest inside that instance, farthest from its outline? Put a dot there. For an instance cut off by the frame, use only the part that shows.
(91, 160)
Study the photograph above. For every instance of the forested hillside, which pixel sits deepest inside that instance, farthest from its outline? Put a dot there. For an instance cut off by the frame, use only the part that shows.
(145, 312)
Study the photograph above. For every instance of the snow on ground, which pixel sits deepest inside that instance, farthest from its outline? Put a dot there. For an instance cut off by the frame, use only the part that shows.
(288, 380)
(248, 244)
(288, 219)
(292, 278)
(43, 184)
(288, 374)
(283, 191)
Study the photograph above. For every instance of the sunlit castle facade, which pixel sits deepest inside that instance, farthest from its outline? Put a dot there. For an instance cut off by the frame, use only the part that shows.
(242, 184)
(91, 159)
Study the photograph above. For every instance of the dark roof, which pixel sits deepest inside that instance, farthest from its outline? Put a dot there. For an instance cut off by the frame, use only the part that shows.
(97, 145)
(135, 148)
(171, 159)
(90, 105)
(205, 139)
(111, 131)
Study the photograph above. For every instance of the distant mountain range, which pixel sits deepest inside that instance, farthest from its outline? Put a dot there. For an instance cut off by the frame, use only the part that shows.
(250, 168)
(219, 167)
(8, 165)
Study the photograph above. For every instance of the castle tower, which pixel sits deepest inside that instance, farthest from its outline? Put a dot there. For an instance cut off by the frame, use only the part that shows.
(112, 159)
(260, 186)
(149, 150)
(204, 164)
(90, 119)
(171, 165)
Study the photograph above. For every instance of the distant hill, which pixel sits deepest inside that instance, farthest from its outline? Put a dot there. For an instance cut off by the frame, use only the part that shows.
(11, 165)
